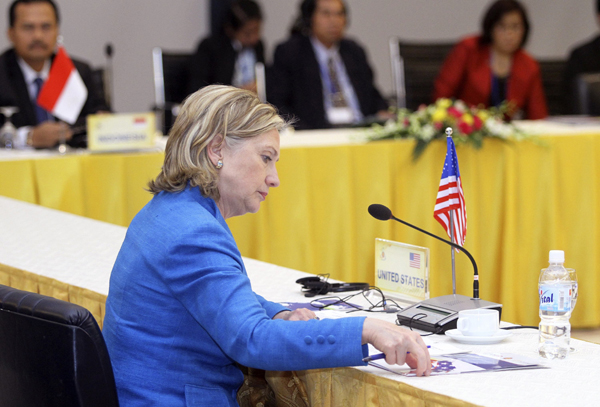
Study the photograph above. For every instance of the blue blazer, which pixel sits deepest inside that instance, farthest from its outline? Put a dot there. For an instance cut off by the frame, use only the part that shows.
(181, 313)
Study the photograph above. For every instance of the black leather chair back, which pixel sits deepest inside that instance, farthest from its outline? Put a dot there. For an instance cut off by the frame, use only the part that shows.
(422, 63)
(552, 71)
(587, 93)
(52, 353)
(176, 75)
(171, 76)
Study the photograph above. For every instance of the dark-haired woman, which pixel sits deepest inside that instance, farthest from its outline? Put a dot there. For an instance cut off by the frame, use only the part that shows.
(489, 69)
(229, 58)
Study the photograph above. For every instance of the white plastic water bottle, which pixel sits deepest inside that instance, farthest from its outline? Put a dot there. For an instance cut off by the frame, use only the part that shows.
(554, 288)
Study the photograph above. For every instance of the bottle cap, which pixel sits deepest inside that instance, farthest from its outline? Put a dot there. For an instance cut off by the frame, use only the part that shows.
(557, 256)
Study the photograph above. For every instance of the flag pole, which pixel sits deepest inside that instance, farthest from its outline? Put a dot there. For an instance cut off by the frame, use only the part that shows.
(452, 251)
(449, 134)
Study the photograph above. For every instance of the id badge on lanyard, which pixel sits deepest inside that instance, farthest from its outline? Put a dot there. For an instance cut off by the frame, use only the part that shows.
(340, 115)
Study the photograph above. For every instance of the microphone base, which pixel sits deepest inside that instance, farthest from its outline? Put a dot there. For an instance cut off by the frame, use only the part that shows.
(440, 314)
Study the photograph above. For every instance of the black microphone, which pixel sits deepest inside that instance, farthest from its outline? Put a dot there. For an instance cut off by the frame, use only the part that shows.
(382, 212)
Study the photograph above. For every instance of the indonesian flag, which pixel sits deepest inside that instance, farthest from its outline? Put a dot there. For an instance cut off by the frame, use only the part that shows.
(64, 93)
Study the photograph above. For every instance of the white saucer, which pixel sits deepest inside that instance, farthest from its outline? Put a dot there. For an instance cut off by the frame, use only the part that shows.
(478, 340)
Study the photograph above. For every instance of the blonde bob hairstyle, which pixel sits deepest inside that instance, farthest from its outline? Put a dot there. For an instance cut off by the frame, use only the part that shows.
(213, 111)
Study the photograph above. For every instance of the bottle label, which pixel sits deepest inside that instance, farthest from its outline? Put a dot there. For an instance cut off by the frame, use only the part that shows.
(555, 297)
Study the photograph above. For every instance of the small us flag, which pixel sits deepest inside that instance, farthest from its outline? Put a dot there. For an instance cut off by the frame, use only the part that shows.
(415, 260)
(450, 197)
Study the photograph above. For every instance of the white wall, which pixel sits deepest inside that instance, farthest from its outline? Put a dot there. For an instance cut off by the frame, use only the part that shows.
(136, 26)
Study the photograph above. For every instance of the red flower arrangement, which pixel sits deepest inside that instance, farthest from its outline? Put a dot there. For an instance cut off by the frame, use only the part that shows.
(428, 123)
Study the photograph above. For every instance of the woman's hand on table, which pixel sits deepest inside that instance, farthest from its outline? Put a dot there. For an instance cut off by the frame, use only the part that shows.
(399, 345)
(300, 314)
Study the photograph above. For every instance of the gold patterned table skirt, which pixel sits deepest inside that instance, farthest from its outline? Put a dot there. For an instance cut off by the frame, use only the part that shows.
(27, 281)
(343, 387)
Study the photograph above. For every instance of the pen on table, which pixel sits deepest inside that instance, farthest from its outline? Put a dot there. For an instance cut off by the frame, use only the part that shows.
(380, 356)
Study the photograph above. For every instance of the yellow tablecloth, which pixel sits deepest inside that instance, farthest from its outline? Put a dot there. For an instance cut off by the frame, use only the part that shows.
(523, 199)
(106, 187)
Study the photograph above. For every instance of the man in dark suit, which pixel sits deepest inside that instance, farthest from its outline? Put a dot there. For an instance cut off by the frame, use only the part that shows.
(228, 58)
(583, 59)
(33, 32)
(318, 76)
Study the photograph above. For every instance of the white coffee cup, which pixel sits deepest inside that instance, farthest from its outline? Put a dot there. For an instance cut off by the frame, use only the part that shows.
(478, 322)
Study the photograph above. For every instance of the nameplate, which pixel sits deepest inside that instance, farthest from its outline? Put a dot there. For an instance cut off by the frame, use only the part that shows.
(118, 132)
(402, 270)
(340, 115)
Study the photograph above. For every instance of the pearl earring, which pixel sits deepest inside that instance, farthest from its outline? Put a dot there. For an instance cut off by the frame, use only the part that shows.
(219, 165)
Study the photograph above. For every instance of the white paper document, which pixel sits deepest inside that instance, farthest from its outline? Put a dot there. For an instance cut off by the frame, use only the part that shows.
(447, 359)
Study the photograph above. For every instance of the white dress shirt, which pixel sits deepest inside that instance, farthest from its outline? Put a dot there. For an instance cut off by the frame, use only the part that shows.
(323, 55)
(243, 72)
(30, 76)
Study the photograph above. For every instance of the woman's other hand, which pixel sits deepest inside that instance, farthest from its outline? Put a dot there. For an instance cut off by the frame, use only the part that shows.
(396, 342)
(300, 314)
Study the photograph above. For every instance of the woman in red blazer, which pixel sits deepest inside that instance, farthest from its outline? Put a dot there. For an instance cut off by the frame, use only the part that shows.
(491, 68)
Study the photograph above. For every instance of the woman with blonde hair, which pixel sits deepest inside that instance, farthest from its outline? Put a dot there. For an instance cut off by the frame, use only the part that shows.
(181, 313)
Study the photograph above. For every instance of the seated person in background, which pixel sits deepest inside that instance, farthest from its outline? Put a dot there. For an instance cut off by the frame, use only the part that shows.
(320, 77)
(180, 312)
(33, 31)
(492, 68)
(229, 58)
(583, 59)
